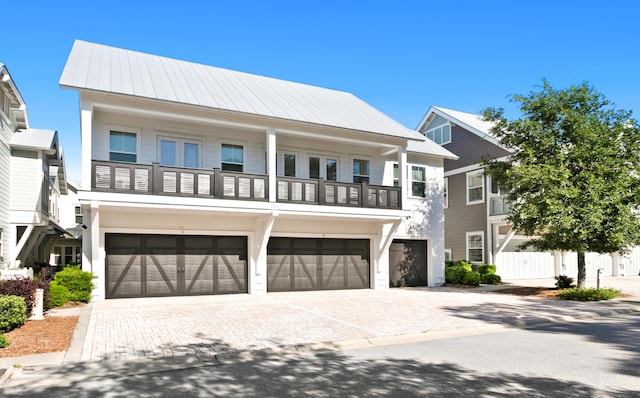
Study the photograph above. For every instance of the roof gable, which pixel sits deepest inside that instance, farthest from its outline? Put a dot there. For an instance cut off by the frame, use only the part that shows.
(469, 121)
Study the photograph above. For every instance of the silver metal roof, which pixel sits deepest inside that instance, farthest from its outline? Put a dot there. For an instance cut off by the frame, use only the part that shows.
(107, 69)
(34, 139)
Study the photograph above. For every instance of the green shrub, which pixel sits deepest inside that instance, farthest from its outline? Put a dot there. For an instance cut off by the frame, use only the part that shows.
(4, 342)
(449, 263)
(58, 295)
(78, 282)
(471, 278)
(465, 264)
(454, 274)
(564, 282)
(588, 294)
(13, 313)
(486, 269)
(490, 279)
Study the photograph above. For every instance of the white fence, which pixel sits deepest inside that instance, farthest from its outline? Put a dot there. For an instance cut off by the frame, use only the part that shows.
(533, 265)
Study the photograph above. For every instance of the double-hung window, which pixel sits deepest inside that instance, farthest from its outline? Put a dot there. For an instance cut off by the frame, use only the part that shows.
(360, 170)
(179, 152)
(418, 181)
(78, 215)
(475, 247)
(475, 187)
(123, 146)
(232, 157)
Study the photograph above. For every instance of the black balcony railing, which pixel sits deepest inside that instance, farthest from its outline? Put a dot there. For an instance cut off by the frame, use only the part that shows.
(175, 181)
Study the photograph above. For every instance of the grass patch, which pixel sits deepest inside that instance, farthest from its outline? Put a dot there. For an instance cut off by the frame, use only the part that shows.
(591, 294)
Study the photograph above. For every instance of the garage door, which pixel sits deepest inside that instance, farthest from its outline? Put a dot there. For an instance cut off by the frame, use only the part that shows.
(408, 263)
(317, 264)
(169, 265)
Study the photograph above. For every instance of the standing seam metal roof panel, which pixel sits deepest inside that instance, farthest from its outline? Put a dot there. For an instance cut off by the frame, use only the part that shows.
(89, 67)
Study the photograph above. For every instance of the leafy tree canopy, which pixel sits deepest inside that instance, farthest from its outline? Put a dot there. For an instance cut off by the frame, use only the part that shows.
(573, 180)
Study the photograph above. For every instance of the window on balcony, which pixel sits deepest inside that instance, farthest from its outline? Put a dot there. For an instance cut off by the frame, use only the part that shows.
(475, 187)
(123, 146)
(179, 152)
(396, 175)
(446, 192)
(360, 170)
(289, 165)
(78, 215)
(232, 157)
(329, 172)
(418, 181)
(475, 247)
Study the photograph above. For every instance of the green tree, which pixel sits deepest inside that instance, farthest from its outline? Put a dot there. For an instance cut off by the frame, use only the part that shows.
(573, 179)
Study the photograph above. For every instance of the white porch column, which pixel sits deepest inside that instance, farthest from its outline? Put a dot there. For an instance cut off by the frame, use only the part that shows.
(404, 182)
(271, 164)
(258, 254)
(96, 263)
(380, 263)
(86, 116)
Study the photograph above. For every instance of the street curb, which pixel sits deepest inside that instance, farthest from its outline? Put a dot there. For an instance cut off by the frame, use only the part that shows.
(74, 353)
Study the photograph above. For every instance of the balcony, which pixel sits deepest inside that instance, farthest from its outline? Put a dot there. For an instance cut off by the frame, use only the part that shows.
(154, 179)
(498, 206)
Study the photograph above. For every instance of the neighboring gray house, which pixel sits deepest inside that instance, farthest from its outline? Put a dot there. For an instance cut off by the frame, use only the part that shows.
(32, 181)
(202, 180)
(475, 226)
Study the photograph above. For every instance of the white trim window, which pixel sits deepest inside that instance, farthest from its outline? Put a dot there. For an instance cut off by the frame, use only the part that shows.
(287, 164)
(396, 175)
(330, 170)
(445, 192)
(361, 169)
(440, 135)
(232, 157)
(418, 181)
(475, 187)
(123, 146)
(475, 247)
(78, 214)
(179, 152)
(448, 255)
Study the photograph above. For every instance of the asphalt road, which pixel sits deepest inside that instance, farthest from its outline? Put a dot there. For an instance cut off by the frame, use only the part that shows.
(595, 358)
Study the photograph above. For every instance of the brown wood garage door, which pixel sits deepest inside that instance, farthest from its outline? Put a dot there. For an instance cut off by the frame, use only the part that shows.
(408, 263)
(317, 264)
(174, 265)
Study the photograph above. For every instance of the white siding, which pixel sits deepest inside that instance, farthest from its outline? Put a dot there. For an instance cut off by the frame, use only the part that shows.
(26, 181)
(5, 161)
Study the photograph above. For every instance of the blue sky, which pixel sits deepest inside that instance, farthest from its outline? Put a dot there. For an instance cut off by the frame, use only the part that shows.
(399, 56)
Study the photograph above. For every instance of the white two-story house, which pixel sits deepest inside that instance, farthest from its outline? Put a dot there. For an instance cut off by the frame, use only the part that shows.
(32, 182)
(202, 180)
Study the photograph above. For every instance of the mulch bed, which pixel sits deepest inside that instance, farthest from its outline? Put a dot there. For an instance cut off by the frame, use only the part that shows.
(52, 334)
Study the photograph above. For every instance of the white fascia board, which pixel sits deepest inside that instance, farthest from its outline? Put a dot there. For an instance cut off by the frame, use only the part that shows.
(160, 202)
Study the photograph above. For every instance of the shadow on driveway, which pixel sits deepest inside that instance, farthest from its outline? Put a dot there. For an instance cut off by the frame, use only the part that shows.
(324, 374)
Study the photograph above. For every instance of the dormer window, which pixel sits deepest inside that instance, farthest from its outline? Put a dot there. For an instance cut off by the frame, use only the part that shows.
(440, 135)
